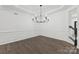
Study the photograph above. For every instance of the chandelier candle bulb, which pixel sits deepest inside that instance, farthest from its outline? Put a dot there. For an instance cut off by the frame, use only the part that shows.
(41, 18)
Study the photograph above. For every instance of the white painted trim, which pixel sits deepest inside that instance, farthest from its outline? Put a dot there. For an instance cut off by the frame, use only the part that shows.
(55, 9)
(75, 6)
(27, 11)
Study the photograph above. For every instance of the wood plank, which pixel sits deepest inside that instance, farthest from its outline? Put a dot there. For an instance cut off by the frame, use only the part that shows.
(36, 45)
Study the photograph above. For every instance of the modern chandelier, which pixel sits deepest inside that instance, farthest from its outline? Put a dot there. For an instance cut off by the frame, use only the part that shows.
(40, 18)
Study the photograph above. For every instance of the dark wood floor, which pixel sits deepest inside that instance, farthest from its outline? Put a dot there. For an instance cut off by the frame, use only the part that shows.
(37, 45)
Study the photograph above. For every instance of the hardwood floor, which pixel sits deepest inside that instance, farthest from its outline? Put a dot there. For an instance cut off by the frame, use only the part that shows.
(37, 45)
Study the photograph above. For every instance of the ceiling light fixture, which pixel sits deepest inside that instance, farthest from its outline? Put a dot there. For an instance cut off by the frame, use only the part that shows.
(40, 18)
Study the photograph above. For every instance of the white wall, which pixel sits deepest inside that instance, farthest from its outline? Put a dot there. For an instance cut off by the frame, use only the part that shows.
(78, 25)
(57, 27)
(15, 27)
(71, 22)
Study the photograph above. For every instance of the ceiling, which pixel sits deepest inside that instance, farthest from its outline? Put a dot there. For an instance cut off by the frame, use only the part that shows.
(35, 9)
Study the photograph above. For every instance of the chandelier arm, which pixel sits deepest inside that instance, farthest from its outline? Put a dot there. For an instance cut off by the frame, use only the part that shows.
(40, 18)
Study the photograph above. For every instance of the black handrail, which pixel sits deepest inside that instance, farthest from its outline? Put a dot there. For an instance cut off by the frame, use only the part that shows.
(75, 33)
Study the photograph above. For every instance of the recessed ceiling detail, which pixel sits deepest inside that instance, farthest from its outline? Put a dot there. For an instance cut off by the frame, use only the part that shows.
(39, 13)
(35, 9)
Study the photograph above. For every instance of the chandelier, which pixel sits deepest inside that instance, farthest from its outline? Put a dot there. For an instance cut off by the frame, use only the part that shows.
(41, 18)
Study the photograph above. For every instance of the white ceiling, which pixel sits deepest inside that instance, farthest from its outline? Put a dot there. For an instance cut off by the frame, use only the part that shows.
(35, 9)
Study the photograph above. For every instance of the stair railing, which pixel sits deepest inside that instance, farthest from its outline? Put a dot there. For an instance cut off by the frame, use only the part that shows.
(75, 35)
